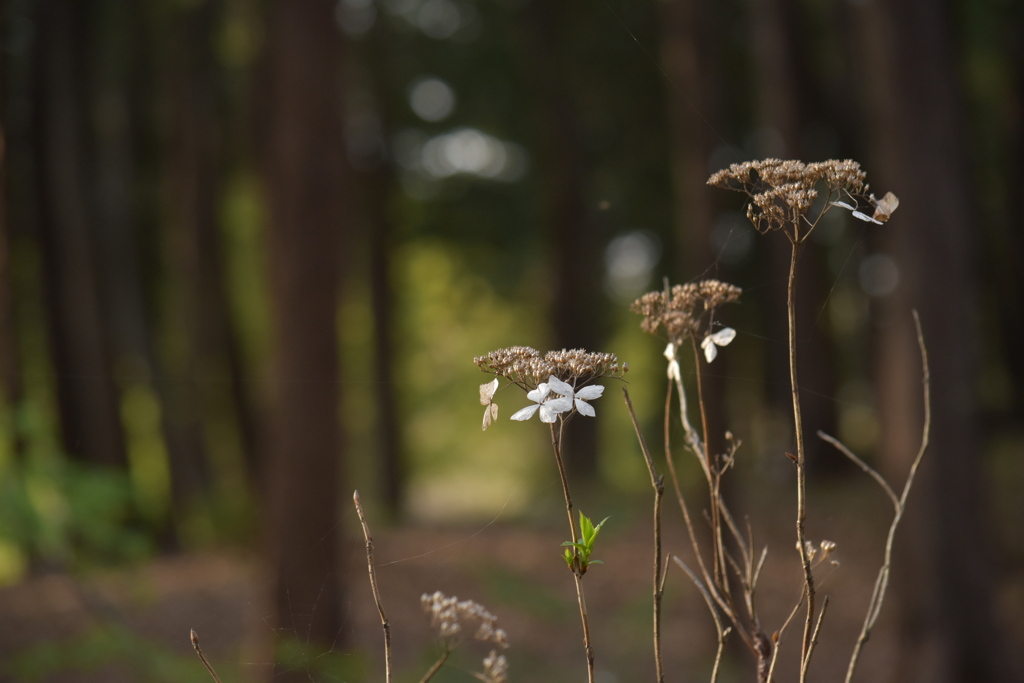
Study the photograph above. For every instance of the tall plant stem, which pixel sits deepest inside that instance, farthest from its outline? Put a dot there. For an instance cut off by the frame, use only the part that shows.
(714, 483)
(658, 484)
(372, 569)
(801, 464)
(556, 444)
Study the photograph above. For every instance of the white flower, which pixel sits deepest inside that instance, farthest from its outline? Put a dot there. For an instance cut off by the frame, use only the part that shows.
(579, 398)
(548, 406)
(487, 400)
(880, 210)
(712, 341)
(673, 364)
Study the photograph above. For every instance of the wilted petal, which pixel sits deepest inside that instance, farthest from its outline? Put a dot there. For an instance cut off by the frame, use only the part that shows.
(844, 205)
(591, 392)
(490, 415)
(487, 391)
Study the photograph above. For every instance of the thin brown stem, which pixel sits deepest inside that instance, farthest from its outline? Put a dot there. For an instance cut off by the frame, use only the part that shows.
(801, 463)
(882, 580)
(436, 666)
(720, 631)
(814, 638)
(556, 443)
(714, 483)
(372, 568)
(658, 484)
(194, 637)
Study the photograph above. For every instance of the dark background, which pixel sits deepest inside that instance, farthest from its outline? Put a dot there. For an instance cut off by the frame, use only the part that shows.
(248, 251)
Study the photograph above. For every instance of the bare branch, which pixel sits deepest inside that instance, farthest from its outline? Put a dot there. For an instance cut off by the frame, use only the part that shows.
(372, 568)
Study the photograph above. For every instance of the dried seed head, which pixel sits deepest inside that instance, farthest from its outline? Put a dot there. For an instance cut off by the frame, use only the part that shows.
(685, 311)
(448, 616)
(782, 191)
(525, 367)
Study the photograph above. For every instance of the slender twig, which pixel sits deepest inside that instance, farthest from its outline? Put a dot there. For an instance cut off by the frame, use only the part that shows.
(658, 484)
(882, 580)
(720, 631)
(372, 568)
(195, 645)
(556, 443)
(714, 481)
(437, 666)
(814, 637)
(801, 463)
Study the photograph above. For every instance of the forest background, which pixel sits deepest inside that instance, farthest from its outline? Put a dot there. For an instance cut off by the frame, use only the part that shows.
(248, 251)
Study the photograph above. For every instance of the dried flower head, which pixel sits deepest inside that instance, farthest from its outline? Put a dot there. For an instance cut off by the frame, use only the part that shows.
(685, 311)
(525, 367)
(782, 192)
(451, 618)
(495, 668)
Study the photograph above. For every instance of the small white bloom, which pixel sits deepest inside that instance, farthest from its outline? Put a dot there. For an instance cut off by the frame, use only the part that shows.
(673, 364)
(549, 408)
(578, 398)
(866, 218)
(721, 338)
(863, 216)
(487, 400)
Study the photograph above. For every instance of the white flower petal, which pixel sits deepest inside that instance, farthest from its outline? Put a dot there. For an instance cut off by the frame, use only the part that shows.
(540, 393)
(865, 217)
(584, 408)
(673, 370)
(710, 350)
(591, 392)
(526, 413)
(844, 205)
(723, 336)
(670, 352)
(559, 387)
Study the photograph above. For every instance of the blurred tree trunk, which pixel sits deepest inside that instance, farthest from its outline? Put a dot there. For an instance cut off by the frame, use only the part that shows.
(87, 394)
(944, 571)
(691, 66)
(205, 383)
(10, 365)
(378, 180)
(785, 102)
(302, 157)
(576, 245)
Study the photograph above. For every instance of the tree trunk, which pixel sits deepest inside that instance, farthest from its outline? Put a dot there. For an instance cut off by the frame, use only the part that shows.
(303, 173)
(88, 400)
(576, 246)
(943, 573)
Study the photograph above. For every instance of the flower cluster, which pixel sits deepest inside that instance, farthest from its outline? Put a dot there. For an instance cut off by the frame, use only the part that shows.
(817, 555)
(448, 614)
(525, 367)
(782, 191)
(685, 311)
(495, 669)
(557, 382)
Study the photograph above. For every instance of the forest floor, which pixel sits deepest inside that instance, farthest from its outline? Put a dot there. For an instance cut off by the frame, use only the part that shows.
(132, 624)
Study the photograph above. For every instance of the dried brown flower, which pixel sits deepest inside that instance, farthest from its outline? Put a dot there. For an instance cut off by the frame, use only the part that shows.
(685, 311)
(450, 617)
(782, 192)
(525, 367)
